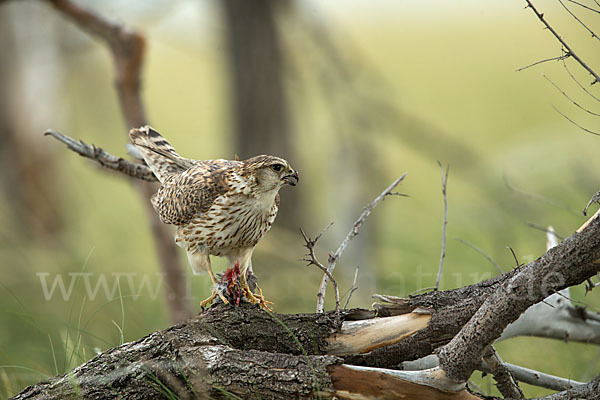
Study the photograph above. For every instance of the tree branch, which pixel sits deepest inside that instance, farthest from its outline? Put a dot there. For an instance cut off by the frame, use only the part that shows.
(333, 258)
(555, 317)
(563, 43)
(107, 160)
(573, 261)
(311, 259)
(522, 374)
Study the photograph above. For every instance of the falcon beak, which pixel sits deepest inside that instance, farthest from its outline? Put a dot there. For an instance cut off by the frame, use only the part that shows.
(291, 179)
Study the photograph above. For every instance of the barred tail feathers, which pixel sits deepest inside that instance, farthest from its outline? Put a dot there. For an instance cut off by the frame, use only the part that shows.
(160, 156)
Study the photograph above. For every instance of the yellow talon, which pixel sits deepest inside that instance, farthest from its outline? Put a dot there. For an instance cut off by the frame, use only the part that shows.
(257, 298)
(212, 296)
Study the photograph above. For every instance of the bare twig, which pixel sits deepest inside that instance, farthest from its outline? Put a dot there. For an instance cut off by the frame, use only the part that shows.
(578, 20)
(311, 259)
(333, 258)
(133, 169)
(584, 6)
(563, 57)
(514, 256)
(569, 51)
(477, 249)
(351, 291)
(445, 223)
(579, 83)
(575, 123)
(569, 98)
(505, 382)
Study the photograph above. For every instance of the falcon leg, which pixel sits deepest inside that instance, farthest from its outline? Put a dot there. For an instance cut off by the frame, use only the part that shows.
(254, 298)
(215, 291)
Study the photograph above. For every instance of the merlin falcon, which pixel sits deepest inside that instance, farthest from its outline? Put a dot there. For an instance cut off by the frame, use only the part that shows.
(219, 207)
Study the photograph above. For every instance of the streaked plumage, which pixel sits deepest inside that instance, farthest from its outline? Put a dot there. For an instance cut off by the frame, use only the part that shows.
(219, 207)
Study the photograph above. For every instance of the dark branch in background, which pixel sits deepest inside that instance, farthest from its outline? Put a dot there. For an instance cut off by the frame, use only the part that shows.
(107, 160)
(568, 51)
(444, 224)
(127, 48)
(333, 258)
(575, 123)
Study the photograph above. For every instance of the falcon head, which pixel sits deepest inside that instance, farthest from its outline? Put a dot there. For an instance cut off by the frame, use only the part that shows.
(271, 172)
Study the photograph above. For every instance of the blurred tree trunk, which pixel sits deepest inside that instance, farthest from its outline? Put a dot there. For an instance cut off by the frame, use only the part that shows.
(259, 103)
(27, 165)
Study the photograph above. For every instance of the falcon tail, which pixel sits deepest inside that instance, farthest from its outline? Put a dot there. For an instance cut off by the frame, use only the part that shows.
(160, 156)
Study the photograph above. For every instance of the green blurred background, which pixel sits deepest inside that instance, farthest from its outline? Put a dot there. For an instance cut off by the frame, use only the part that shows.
(368, 90)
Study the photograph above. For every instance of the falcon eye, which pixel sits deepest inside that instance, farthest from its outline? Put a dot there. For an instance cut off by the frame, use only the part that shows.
(276, 167)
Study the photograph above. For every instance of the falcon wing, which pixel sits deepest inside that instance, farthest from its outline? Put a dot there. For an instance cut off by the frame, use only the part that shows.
(160, 156)
(183, 196)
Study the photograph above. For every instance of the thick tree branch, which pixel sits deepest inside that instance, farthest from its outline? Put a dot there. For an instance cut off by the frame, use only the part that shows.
(573, 261)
